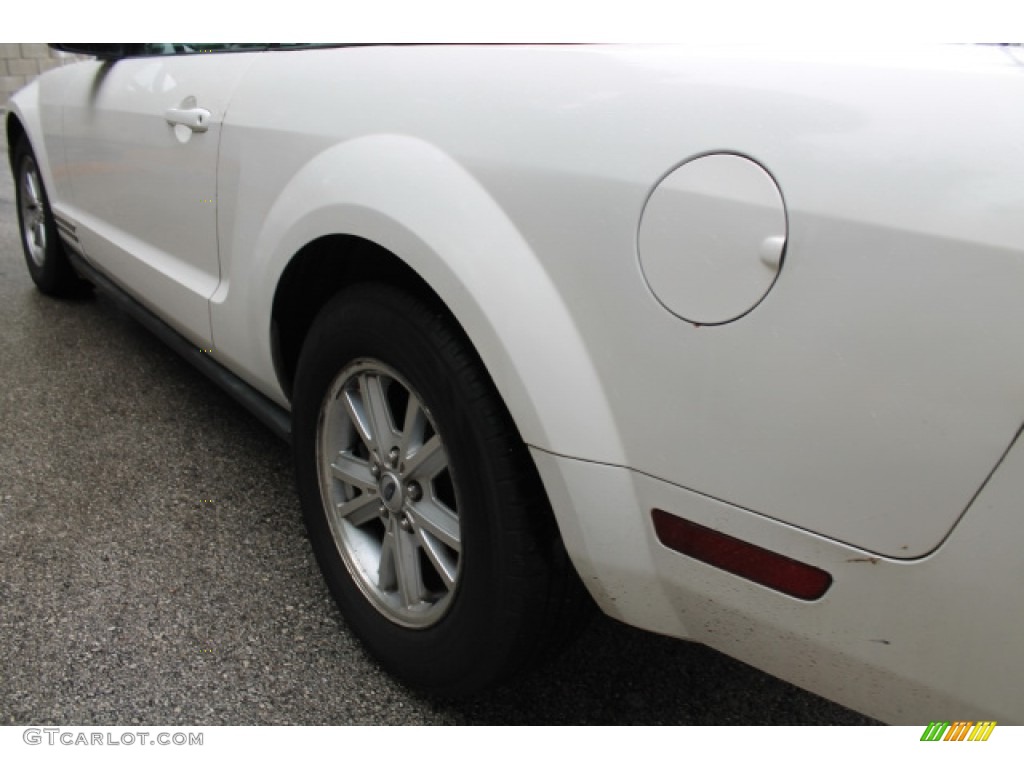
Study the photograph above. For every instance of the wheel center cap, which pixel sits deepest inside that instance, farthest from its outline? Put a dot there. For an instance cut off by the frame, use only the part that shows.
(391, 491)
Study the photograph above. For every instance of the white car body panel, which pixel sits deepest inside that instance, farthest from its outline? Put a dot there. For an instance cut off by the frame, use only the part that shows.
(859, 418)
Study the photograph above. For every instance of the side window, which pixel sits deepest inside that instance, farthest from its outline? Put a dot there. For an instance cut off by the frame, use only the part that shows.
(179, 49)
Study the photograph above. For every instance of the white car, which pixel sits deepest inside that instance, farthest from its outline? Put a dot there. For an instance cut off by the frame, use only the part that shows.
(728, 342)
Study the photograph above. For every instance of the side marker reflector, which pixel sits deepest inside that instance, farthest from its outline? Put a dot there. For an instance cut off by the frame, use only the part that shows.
(762, 566)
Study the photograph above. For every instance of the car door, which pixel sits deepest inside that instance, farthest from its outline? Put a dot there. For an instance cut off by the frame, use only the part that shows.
(141, 142)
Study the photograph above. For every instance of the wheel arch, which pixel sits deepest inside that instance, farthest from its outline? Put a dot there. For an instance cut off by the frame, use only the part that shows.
(399, 210)
(15, 131)
(319, 271)
(24, 121)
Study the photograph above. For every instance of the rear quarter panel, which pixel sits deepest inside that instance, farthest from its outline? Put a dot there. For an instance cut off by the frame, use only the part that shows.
(867, 398)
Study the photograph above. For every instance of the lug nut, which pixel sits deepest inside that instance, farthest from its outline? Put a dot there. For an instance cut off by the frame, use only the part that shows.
(404, 524)
(413, 491)
(375, 471)
(393, 457)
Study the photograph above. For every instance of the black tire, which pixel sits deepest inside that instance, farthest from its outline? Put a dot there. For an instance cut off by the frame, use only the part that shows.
(515, 596)
(44, 253)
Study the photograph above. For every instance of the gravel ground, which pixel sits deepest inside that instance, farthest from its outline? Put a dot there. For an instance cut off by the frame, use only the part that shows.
(154, 568)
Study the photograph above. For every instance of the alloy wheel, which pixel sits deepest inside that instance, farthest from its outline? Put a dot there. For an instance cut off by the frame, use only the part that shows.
(33, 211)
(389, 494)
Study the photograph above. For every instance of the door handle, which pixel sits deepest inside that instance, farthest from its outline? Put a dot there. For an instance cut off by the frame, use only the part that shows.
(195, 119)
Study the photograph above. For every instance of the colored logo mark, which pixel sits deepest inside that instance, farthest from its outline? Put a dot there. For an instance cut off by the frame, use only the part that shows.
(959, 731)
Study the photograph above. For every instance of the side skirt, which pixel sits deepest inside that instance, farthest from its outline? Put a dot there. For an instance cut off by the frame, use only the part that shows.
(276, 418)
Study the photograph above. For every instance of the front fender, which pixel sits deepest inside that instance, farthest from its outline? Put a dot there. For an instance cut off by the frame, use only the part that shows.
(23, 109)
(39, 109)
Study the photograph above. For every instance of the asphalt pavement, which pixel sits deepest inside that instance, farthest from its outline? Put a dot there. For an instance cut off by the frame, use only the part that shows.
(154, 568)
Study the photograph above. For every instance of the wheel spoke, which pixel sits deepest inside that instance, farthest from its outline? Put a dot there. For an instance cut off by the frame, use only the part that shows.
(378, 414)
(428, 460)
(407, 564)
(360, 510)
(436, 519)
(354, 408)
(413, 428)
(439, 558)
(353, 471)
(31, 189)
(387, 572)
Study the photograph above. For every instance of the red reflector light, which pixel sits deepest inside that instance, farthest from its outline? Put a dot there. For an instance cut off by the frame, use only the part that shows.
(759, 565)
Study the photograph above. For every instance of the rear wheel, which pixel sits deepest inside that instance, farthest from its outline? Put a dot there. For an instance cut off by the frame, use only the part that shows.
(44, 253)
(424, 508)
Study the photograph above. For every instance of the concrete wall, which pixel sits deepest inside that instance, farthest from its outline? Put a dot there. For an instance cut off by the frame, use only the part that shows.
(20, 63)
